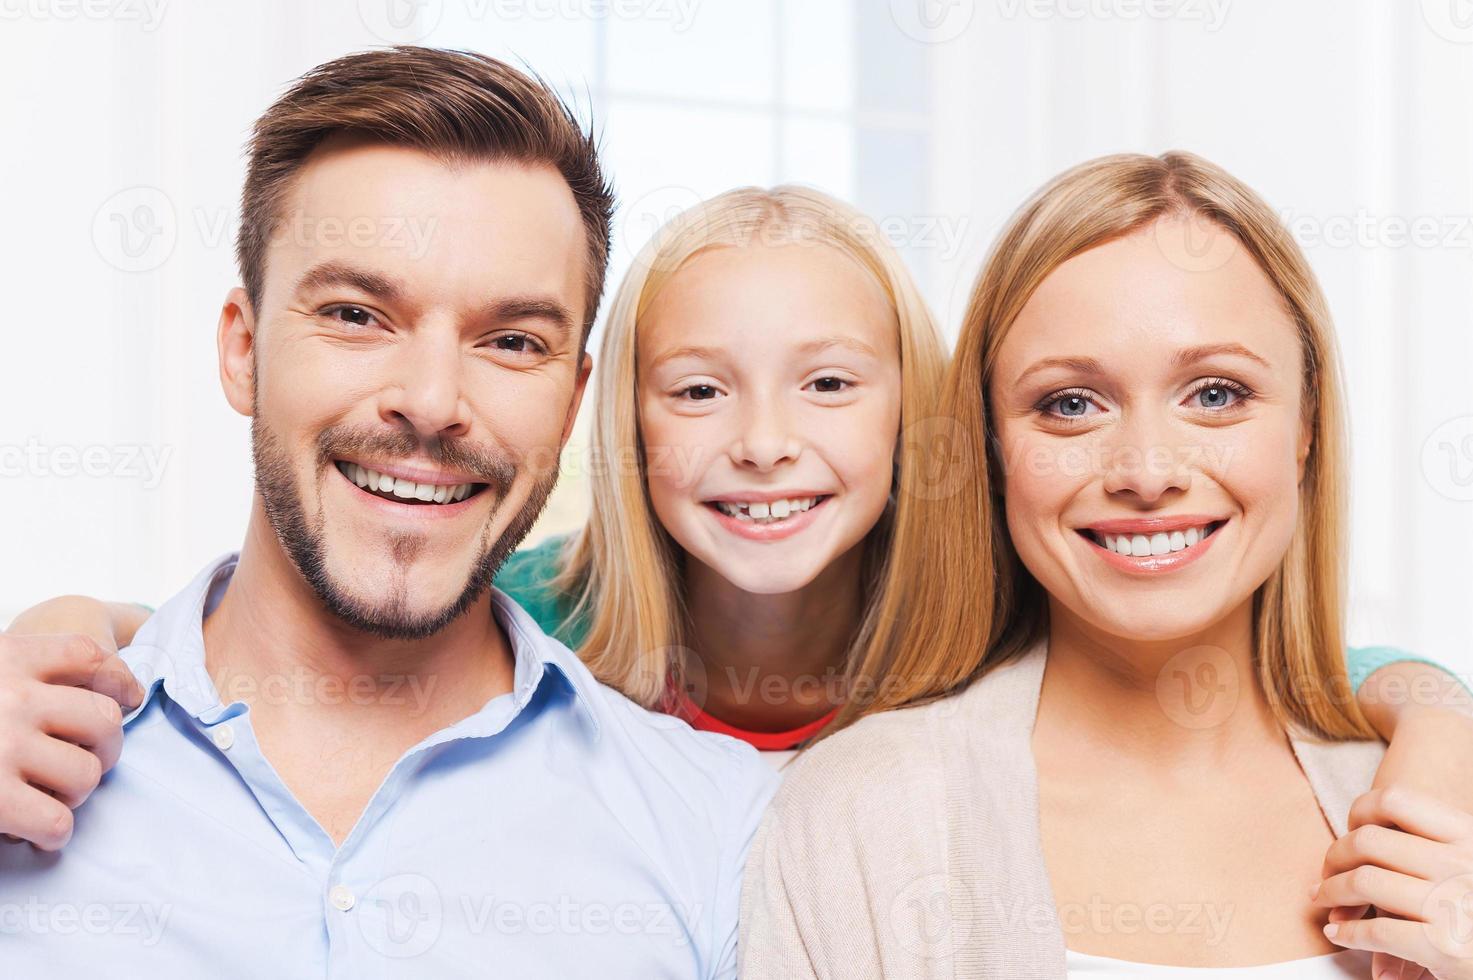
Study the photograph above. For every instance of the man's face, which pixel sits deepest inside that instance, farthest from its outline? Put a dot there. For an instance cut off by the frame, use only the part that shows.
(415, 369)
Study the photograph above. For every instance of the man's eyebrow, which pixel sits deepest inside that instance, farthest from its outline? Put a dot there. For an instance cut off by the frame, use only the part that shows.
(531, 307)
(339, 274)
(1191, 355)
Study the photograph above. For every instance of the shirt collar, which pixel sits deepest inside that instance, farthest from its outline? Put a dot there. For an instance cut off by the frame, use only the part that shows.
(168, 652)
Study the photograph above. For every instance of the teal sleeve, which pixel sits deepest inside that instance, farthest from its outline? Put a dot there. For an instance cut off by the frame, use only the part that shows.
(1362, 662)
(527, 577)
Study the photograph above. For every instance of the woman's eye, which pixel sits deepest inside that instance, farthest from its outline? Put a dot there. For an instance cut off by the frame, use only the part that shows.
(356, 316)
(1219, 394)
(698, 393)
(829, 386)
(1069, 405)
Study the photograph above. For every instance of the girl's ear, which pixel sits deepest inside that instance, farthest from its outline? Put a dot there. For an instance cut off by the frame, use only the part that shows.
(235, 342)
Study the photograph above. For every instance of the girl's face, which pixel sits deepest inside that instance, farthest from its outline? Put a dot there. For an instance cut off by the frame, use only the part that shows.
(769, 394)
(1150, 426)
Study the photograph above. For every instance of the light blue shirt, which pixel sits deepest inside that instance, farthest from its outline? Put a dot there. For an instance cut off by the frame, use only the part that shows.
(561, 831)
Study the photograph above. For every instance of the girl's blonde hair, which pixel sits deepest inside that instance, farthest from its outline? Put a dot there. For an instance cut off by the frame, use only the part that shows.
(623, 570)
(972, 604)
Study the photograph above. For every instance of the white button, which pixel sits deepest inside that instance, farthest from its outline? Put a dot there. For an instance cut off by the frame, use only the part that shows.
(223, 736)
(341, 897)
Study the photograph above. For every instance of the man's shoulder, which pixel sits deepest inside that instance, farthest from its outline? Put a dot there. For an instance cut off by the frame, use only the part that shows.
(663, 753)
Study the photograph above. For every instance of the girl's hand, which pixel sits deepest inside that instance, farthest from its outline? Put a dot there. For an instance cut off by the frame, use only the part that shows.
(1411, 856)
(62, 699)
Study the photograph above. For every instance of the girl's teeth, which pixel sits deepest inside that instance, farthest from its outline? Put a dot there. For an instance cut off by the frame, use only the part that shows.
(438, 493)
(1164, 543)
(766, 512)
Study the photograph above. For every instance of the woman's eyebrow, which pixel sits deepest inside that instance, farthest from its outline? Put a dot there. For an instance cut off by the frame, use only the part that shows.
(1079, 365)
(1191, 355)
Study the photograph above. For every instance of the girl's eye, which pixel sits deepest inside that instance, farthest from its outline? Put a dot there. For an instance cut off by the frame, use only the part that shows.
(697, 393)
(829, 386)
(1069, 405)
(1217, 394)
(516, 343)
(356, 316)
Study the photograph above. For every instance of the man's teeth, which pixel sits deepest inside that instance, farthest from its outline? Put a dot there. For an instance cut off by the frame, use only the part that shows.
(437, 493)
(766, 512)
(1161, 543)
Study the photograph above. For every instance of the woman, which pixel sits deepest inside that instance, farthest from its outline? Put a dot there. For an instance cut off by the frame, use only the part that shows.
(1140, 747)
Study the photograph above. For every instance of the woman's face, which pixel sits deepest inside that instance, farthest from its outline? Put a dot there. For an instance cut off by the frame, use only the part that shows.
(1150, 428)
(769, 394)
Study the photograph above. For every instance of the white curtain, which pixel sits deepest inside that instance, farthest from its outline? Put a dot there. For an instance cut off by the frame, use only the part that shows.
(124, 121)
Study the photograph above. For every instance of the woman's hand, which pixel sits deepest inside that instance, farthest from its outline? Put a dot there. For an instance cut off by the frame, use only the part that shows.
(1411, 856)
(62, 699)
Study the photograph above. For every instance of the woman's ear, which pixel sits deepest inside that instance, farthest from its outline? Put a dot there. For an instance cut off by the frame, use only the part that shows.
(1306, 442)
(235, 340)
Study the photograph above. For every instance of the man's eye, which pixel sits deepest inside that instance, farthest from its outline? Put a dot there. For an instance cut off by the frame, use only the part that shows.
(354, 315)
(516, 343)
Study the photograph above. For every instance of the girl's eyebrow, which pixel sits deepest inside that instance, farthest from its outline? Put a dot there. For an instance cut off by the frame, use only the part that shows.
(824, 343)
(706, 353)
(807, 347)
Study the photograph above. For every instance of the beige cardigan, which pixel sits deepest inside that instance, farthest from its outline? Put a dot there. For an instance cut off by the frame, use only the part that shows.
(908, 845)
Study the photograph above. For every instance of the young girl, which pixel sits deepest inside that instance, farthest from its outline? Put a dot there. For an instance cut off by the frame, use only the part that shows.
(767, 375)
(1146, 748)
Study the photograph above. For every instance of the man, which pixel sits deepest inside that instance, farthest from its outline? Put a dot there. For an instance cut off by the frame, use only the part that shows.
(352, 757)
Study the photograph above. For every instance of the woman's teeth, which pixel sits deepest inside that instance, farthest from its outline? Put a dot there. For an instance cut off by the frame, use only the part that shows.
(384, 485)
(766, 512)
(1161, 543)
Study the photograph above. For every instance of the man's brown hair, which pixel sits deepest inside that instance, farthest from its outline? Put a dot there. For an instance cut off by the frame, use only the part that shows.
(458, 105)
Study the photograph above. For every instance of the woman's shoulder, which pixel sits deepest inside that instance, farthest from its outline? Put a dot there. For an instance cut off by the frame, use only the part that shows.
(918, 747)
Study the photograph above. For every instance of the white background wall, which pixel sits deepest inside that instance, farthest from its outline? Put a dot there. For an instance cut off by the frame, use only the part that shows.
(122, 470)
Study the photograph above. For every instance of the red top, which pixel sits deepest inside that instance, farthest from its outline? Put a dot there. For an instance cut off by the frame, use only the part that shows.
(679, 704)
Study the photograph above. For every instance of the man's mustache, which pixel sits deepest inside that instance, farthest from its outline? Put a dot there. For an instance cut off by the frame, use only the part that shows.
(491, 465)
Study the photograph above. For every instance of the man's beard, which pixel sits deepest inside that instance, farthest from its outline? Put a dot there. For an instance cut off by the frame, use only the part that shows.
(390, 618)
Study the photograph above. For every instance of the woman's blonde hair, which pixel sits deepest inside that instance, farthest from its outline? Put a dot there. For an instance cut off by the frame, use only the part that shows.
(623, 570)
(972, 604)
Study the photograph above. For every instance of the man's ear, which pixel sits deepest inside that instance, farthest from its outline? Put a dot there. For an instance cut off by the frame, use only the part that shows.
(235, 340)
(585, 370)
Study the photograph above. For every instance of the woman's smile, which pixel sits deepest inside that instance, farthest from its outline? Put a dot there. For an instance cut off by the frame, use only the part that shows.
(1151, 545)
